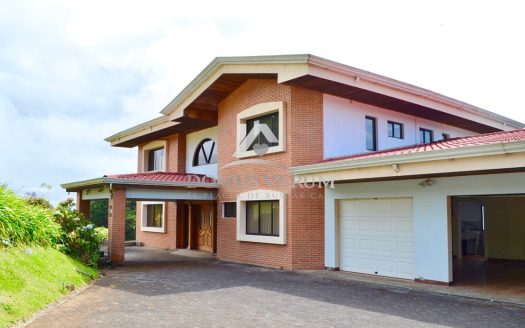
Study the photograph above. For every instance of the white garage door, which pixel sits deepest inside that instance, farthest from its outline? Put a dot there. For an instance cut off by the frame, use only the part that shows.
(376, 236)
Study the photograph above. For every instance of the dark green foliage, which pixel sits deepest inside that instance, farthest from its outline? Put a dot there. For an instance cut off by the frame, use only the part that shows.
(98, 213)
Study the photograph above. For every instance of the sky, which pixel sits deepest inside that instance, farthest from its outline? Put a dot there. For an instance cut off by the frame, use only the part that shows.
(75, 72)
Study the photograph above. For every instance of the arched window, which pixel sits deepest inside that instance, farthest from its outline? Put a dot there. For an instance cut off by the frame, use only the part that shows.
(205, 153)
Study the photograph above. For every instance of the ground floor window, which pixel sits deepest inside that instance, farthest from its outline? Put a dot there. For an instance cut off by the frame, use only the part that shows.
(229, 209)
(262, 218)
(153, 217)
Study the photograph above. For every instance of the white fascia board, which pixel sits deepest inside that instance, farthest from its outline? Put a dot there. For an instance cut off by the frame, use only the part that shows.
(83, 183)
(138, 128)
(433, 155)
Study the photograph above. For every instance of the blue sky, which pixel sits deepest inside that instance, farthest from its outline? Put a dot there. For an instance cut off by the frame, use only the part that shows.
(73, 73)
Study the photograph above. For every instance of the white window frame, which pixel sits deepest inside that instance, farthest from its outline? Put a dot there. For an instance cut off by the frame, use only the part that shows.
(259, 195)
(254, 112)
(152, 146)
(144, 218)
(222, 207)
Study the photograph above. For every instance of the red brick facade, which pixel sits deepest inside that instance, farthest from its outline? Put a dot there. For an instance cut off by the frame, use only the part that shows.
(176, 162)
(304, 207)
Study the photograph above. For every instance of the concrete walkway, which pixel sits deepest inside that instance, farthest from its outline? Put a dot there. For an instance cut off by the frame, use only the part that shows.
(160, 289)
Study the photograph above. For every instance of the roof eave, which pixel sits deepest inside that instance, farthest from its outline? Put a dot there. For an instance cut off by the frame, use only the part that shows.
(412, 89)
(218, 62)
(137, 129)
(72, 186)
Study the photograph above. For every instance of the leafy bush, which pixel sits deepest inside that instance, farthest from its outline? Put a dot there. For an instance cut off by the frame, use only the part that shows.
(79, 237)
(24, 223)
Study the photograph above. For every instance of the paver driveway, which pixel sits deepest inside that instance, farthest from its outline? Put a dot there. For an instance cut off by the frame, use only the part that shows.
(158, 289)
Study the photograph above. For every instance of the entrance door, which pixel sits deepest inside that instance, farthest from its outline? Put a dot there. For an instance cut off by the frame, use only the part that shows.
(205, 217)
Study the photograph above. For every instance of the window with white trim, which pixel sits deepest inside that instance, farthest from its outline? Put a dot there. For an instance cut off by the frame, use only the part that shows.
(261, 130)
(154, 156)
(155, 159)
(261, 217)
(153, 217)
(229, 210)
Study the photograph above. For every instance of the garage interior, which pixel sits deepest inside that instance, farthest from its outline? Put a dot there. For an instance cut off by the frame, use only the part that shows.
(488, 243)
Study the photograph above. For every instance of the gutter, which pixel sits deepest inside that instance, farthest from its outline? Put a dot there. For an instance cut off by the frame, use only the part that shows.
(434, 155)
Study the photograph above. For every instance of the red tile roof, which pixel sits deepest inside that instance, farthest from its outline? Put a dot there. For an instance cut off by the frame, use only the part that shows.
(163, 177)
(454, 143)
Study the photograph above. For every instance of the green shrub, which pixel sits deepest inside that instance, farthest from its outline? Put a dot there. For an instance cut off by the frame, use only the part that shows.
(79, 237)
(102, 234)
(25, 223)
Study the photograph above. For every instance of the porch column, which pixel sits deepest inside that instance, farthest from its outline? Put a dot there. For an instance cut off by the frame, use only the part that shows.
(82, 205)
(117, 225)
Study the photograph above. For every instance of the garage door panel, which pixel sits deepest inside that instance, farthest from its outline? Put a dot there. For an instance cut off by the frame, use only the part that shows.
(386, 245)
(376, 236)
(405, 247)
(385, 226)
(367, 226)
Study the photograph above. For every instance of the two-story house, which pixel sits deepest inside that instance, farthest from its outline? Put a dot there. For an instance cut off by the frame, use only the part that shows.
(299, 162)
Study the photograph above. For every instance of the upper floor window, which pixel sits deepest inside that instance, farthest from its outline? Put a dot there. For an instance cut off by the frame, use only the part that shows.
(155, 159)
(395, 130)
(371, 133)
(445, 136)
(261, 130)
(426, 136)
(205, 153)
(154, 156)
(262, 138)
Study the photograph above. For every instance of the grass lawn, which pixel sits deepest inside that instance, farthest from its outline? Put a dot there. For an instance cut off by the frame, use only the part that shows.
(29, 282)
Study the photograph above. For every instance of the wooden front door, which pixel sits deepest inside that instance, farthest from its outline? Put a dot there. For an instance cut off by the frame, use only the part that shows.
(205, 217)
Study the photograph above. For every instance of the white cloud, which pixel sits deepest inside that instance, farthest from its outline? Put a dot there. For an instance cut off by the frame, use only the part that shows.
(72, 73)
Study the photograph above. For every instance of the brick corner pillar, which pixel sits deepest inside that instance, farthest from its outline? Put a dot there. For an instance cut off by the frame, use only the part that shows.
(117, 225)
(82, 205)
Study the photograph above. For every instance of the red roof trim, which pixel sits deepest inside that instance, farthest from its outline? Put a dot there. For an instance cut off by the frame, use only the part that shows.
(454, 143)
(163, 177)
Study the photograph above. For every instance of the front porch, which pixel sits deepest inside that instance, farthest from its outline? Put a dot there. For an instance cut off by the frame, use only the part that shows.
(175, 209)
